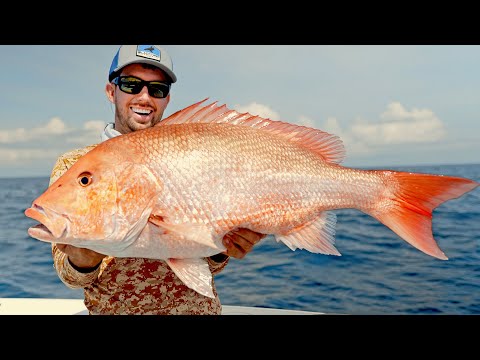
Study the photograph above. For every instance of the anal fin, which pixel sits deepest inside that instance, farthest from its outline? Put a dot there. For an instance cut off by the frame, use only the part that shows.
(194, 273)
(317, 236)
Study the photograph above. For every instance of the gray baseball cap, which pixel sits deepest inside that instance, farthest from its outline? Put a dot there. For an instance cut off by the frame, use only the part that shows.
(148, 54)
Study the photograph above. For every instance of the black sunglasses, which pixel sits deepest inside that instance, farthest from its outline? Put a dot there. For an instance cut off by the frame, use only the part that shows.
(133, 85)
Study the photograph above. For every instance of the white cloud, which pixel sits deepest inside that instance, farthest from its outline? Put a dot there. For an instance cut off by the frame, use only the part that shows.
(13, 136)
(305, 121)
(268, 113)
(50, 140)
(94, 125)
(351, 143)
(54, 127)
(12, 156)
(259, 110)
(89, 134)
(397, 125)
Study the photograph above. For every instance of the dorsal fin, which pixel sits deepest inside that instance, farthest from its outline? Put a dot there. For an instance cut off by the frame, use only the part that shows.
(329, 146)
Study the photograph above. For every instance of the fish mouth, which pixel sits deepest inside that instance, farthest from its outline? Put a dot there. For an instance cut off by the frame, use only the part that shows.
(52, 226)
(41, 232)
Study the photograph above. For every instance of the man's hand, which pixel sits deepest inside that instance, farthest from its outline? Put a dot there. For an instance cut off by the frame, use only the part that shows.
(81, 258)
(240, 242)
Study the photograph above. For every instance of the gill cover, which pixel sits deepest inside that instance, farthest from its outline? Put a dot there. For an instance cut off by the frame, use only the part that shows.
(135, 196)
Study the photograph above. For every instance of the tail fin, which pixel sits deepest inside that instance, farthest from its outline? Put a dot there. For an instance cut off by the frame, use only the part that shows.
(415, 196)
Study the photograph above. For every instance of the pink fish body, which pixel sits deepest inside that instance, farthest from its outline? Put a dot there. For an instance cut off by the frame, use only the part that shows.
(173, 191)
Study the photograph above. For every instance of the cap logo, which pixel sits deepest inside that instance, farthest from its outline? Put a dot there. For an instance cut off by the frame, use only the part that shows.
(149, 52)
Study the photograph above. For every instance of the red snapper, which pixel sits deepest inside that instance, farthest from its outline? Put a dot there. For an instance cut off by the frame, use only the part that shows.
(173, 191)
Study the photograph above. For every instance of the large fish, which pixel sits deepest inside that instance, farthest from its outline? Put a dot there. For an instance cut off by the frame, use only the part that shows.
(173, 191)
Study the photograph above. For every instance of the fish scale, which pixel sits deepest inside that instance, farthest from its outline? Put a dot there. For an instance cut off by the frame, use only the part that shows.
(227, 164)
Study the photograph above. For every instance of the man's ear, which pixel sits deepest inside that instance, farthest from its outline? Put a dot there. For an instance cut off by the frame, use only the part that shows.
(110, 91)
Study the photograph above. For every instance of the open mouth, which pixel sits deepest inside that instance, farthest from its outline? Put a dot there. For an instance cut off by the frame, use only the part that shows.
(41, 232)
(48, 230)
(142, 115)
(141, 112)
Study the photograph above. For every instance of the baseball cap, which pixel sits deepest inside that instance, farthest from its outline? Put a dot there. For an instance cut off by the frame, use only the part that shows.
(147, 54)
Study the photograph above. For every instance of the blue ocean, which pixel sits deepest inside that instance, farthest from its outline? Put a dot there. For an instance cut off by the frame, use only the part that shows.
(378, 273)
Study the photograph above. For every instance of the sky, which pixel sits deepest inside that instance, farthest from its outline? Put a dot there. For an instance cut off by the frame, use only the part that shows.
(392, 105)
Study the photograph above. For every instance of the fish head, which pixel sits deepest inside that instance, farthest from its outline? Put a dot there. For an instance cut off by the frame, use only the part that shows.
(101, 203)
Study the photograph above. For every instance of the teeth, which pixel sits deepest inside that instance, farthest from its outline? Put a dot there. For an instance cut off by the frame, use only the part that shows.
(141, 111)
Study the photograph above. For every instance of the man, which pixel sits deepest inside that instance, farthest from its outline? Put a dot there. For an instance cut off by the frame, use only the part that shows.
(139, 83)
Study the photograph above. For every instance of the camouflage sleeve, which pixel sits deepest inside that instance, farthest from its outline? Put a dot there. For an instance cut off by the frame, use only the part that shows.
(217, 263)
(66, 272)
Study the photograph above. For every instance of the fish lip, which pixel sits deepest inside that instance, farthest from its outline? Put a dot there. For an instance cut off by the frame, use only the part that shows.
(48, 229)
(41, 232)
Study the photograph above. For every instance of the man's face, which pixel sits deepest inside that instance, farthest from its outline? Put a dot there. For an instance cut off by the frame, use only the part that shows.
(137, 111)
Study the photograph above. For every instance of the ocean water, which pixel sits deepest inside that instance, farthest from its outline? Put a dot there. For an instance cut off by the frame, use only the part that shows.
(378, 273)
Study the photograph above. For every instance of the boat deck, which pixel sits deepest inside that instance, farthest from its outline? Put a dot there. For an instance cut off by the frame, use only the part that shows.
(42, 306)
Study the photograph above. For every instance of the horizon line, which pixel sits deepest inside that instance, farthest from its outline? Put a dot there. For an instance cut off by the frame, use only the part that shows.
(370, 167)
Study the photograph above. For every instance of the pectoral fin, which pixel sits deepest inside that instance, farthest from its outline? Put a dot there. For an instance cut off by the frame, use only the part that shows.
(198, 233)
(194, 273)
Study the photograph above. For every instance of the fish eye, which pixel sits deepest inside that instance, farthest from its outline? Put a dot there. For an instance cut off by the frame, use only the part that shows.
(85, 179)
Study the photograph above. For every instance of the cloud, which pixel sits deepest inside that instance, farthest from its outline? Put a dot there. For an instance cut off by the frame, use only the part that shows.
(395, 126)
(13, 156)
(399, 126)
(53, 127)
(49, 141)
(89, 134)
(352, 144)
(305, 121)
(259, 110)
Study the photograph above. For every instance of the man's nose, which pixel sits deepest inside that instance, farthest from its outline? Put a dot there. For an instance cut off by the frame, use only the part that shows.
(144, 91)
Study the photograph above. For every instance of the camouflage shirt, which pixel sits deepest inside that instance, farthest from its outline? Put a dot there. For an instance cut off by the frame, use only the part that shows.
(131, 285)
